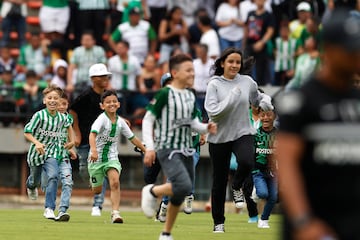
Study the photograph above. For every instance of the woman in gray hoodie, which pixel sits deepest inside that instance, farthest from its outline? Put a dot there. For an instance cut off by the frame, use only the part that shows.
(227, 101)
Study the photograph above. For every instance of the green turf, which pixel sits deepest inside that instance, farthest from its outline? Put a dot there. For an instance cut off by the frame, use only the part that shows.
(30, 224)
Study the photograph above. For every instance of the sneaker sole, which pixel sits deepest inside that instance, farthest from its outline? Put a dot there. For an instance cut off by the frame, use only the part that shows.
(63, 218)
(218, 232)
(188, 212)
(118, 220)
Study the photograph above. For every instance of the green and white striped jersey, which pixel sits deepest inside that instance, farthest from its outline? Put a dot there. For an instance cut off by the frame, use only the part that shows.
(285, 54)
(108, 136)
(174, 110)
(48, 130)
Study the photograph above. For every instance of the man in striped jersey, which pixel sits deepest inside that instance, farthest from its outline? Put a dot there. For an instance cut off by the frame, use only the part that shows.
(44, 131)
(173, 113)
(103, 156)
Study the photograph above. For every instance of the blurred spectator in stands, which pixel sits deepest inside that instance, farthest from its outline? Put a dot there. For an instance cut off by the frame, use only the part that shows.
(173, 32)
(126, 69)
(157, 10)
(149, 79)
(248, 6)
(303, 14)
(35, 56)
(202, 66)
(54, 17)
(6, 61)
(231, 27)
(60, 73)
(92, 16)
(209, 37)
(284, 51)
(258, 31)
(82, 58)
(312, 29)
(306, 64)
(13, 13)
(195, 32)
(130, 4)
(138, 33)
(31, 91)
(7, 99)
(188, 8)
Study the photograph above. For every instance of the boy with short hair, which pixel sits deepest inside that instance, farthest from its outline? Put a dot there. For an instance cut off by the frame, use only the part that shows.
(173, 112)
(103, 156)
(44, 131)
(264, 173)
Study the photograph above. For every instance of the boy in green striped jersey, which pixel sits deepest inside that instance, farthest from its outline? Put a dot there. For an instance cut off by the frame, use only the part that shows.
(103, 159)
(173, 113)
(44, 131)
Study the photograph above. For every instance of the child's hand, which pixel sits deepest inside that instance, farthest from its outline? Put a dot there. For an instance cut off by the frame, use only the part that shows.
(212, 128)
(40, 148)
(69, 145)
(73, 154)
(149, 158)
(93, 156)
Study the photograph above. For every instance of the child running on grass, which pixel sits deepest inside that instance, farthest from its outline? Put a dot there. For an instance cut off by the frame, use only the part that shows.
(103, 159)
(44, 131)
(173, 112)
(264, 173)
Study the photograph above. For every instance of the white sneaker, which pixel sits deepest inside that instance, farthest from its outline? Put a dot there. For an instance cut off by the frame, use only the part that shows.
(115, 217)
(219, 228)
(165, 237)
(161, 216)
(62, 217)
(239, 199)
(188, 204)
(254, 196)
(148, 201)
(263, 224)
(32, 193)
(49, 213)
(96, 212)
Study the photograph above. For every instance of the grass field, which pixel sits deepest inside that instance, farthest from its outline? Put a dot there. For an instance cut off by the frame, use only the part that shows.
(30, 224)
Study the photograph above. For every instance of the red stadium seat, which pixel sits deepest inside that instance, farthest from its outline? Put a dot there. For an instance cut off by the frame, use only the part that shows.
(34, 4)
(14, 52)
(33, 20)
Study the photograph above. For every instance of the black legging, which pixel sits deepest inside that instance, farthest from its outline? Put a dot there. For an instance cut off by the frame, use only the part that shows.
(220, 155)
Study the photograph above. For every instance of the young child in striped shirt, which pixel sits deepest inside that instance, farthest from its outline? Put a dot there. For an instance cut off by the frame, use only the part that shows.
(103, 159)
(173, 113)
(44, 132)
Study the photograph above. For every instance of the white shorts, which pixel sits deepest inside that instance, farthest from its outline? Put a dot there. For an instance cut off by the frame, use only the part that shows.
(54, 19)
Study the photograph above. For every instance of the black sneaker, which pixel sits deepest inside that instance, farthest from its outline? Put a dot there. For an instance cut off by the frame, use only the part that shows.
(219, 228)
(238, 196)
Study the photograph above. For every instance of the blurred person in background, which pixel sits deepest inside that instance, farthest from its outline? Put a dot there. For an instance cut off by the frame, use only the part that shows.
(319, 138)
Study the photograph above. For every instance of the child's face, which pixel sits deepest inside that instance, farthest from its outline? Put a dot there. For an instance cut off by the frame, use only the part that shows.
(231, 65)
(7, 77)
(284, 32)
(150, 62)
(267, 118)
(61, 72)
(110, 104)
(51, 100)
(185, 73)
(63, 105)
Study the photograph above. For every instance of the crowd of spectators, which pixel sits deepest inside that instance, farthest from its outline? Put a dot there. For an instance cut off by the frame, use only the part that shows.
(135, 38)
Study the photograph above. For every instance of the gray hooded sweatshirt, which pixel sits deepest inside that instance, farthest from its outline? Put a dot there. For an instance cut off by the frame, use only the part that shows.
(227, 103)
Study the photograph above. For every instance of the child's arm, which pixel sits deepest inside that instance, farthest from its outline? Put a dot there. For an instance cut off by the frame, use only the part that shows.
(136, 141)
(40, 148)
(202, 128)
(148, 138)
(71, 138)
(76, 128)
(93, 150)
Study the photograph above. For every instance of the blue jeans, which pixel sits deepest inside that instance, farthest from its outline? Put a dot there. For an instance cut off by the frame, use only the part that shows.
(224, 43)
(20, 25)
(51, 170)
(266, 188)
(67, 183)
(83, 152)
